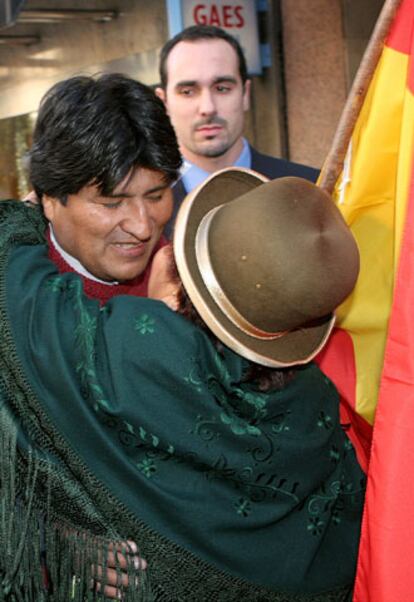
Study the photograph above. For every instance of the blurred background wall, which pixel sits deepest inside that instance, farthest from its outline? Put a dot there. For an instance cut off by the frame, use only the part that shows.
(312, 49)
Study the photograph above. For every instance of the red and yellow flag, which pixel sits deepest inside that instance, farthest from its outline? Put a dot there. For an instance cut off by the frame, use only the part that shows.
(376, 195)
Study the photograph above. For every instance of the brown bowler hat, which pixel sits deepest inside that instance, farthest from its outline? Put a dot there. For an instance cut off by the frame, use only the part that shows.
(265, 263)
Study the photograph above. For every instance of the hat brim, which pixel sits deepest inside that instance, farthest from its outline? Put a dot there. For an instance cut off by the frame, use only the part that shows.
(296, 346)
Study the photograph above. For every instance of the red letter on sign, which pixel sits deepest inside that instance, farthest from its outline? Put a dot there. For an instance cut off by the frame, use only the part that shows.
(214, 16)
(237, 11)
(227, 9)
(199, 19)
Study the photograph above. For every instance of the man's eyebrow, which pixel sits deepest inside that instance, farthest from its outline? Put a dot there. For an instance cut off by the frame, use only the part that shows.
(118, 195)
(218, 80)
(186, 82)
(159, 188)
(123, 195)
(225, 78)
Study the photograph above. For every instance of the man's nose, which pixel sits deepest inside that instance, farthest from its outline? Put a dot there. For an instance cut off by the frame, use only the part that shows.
(137, 220)
(207, 104)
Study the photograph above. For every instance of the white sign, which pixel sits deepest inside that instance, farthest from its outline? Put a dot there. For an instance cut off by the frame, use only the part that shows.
(238, 18)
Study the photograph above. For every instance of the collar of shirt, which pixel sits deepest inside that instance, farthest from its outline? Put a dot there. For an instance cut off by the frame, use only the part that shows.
(192, 175)
(74, 263)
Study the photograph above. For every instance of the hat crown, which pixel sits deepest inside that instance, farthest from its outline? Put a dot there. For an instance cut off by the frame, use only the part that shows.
(265, 263)
(282, 254)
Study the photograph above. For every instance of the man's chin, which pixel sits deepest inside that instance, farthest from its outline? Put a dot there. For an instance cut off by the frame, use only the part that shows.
(129, 269)
(125, 275)
(212, 150)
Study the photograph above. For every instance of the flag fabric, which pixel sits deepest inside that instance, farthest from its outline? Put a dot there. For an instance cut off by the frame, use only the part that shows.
(376, 196)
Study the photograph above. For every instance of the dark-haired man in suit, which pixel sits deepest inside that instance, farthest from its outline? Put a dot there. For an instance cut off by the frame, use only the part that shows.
(206, 90)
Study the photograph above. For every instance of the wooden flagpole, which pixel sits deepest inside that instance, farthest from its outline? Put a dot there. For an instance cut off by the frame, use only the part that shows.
(335, 159)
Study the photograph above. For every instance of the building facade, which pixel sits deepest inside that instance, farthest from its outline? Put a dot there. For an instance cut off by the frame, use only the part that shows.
(312, 49)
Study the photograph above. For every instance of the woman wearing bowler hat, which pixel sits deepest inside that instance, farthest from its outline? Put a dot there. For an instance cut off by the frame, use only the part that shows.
(206, 435)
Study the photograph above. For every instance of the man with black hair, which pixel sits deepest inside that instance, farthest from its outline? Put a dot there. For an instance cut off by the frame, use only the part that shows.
(206, 90)
(103, 158)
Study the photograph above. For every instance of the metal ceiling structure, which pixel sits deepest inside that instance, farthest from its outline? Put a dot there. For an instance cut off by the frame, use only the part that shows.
(46, 15)
(14, 12)
(9, 11)
(43, 41)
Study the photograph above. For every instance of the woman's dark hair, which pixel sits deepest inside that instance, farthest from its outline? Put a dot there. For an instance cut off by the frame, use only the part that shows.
(194, 34)
(94, 130)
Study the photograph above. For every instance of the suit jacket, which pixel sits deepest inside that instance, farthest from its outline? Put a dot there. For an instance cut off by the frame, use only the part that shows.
(271, 167)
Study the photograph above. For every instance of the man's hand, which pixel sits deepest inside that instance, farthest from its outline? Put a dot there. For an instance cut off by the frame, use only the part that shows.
(120, 557)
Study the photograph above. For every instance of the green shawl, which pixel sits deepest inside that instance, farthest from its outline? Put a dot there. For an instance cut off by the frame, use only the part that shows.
(130, 424)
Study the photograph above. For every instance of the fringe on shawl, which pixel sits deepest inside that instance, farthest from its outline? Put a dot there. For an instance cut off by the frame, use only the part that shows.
(44, 560)
(42, 557)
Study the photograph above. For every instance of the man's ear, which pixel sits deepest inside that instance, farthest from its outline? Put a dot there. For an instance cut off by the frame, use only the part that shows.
(246, 94)
(160, 92)
(49, 207)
